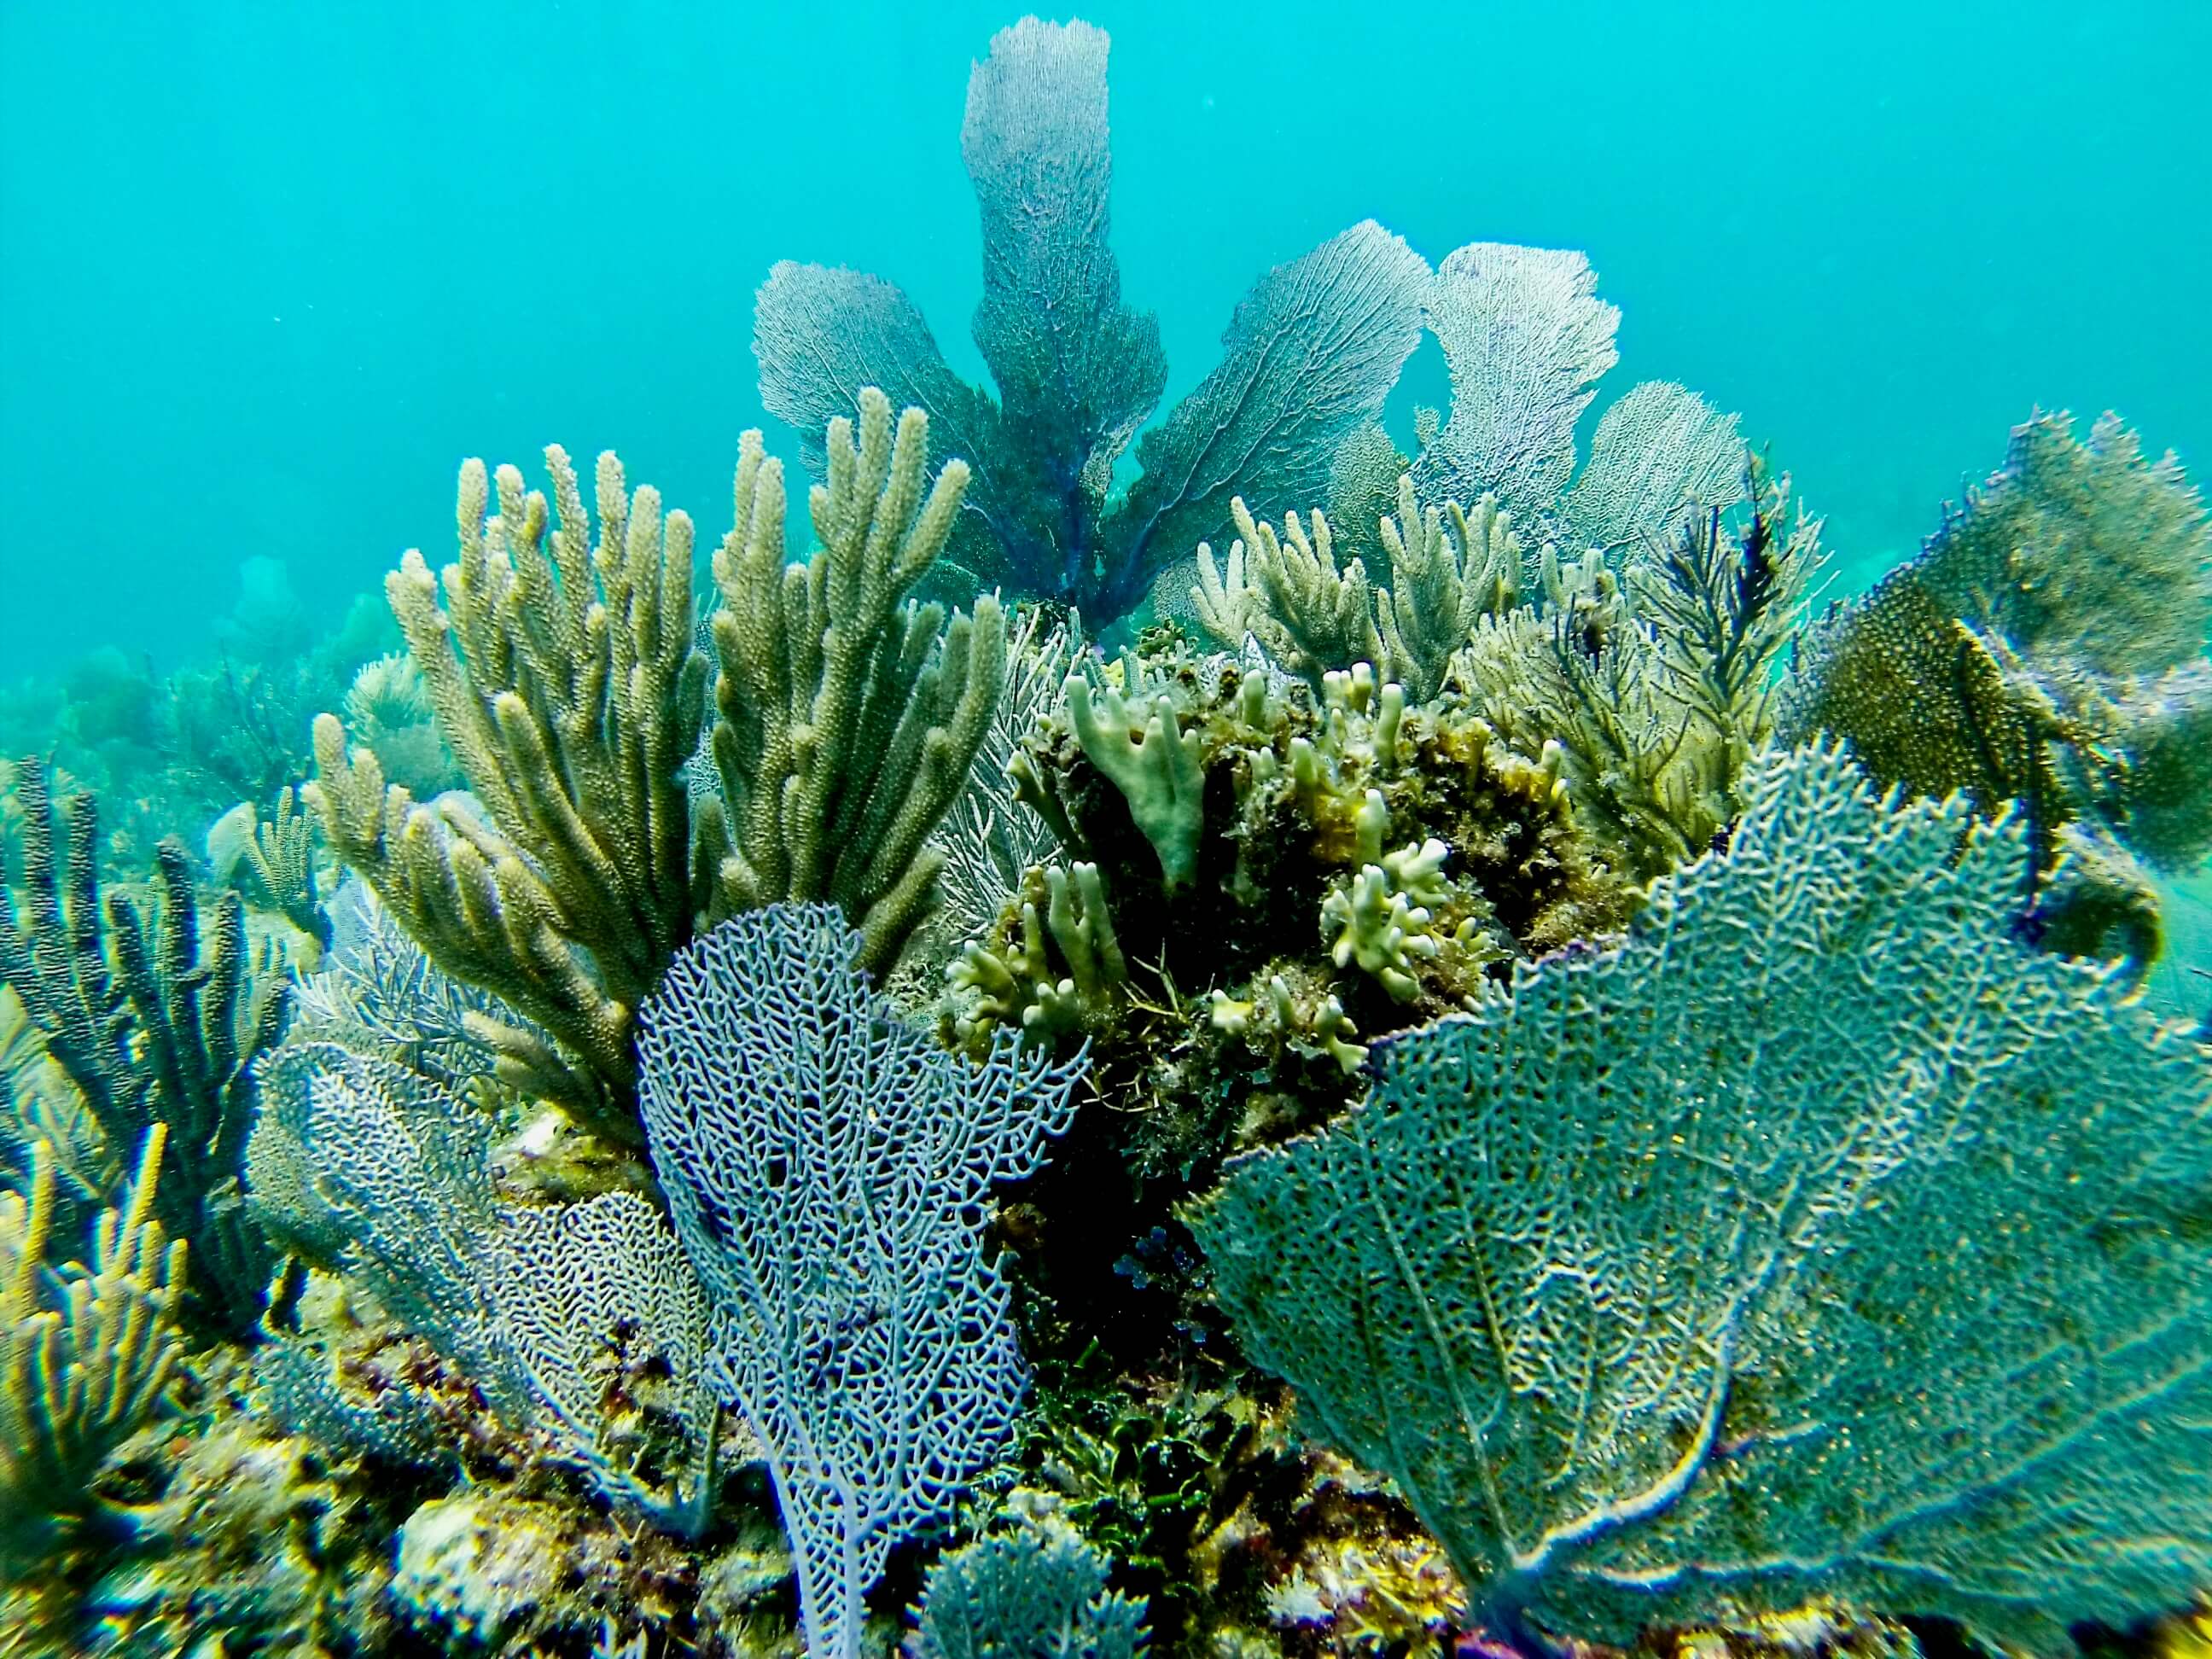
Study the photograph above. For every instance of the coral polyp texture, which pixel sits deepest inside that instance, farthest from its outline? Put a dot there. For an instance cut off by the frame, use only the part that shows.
(564, 674)
(1215, 1030)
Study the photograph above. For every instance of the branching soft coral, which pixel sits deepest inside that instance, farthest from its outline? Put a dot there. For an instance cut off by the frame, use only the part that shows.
(1657, 688)
(847, 720)
(563, 670)
(87, 1349)
(2046, 647)
(154, 1021)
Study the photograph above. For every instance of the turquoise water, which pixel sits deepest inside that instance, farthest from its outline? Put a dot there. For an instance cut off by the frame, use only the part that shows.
(1604, 1108)
(267, 272)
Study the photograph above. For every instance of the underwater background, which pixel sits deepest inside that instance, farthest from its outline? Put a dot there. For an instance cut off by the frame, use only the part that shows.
(1614, 1063)
(280, 266)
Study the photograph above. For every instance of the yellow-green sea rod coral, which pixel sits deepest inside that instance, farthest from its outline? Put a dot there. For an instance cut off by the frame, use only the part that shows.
(847, 718)
(83, 1364)
(562, 674)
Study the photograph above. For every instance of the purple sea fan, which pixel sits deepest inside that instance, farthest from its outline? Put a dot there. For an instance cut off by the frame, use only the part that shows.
(828, 1168)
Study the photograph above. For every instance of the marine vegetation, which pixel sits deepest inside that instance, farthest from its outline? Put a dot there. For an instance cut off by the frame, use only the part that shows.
(153, 1026)
(2047, 647)
(1470, 1077)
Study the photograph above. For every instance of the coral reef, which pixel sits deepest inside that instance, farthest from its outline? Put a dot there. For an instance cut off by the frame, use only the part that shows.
(1754, 1298)
(1443, 1094)
(1308, 358)
(152, 1024)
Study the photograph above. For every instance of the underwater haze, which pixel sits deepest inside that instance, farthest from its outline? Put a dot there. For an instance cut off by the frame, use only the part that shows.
(270, 272)
(1199, 834)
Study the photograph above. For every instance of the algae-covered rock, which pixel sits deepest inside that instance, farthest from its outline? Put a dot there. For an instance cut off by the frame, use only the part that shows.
(486, 1566)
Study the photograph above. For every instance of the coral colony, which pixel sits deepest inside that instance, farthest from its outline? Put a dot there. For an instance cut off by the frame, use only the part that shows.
(1291, 1049)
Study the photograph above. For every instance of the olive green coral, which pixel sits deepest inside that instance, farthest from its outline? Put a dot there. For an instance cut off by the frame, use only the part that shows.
(84, 1365)
(562, 670)
(847, 720)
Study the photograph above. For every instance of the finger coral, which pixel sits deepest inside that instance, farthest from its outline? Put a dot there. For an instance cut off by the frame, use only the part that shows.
(849, 720)
(562, 670)
(564, 673)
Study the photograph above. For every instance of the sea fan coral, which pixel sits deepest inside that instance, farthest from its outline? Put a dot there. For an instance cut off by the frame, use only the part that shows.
(1673, 1279)
(1309, 356)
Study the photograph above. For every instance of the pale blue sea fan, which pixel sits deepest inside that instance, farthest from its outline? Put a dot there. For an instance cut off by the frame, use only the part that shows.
(828, 1169)
(1308, 357)
(1821, 1242)
(1035, 1593)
